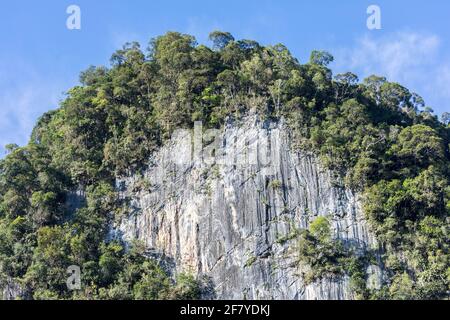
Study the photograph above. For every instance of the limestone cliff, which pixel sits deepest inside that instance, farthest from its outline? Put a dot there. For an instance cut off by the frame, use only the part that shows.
(228, 213)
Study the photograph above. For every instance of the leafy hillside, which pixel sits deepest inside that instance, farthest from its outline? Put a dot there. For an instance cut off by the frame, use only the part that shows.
(376, 134)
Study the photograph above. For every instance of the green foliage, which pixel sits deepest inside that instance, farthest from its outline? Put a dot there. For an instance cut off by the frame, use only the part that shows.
(275, 184)
(318, 253)
(417, 147)
(321, 256)
(402, 287)
(321, 58)
(186, 288)
(321, 229)
(220, 39)
(250, 261)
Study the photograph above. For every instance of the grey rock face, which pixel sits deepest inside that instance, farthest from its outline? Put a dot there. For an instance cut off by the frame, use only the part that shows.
(230, 217)
(10, 290)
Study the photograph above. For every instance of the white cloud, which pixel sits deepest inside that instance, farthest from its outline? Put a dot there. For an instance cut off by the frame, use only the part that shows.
(413, 59)
(396, 56)
(443, 81)
(24, 96)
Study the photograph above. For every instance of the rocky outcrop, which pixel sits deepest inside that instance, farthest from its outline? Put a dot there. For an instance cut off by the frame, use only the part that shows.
(228, 210)
(10, 290)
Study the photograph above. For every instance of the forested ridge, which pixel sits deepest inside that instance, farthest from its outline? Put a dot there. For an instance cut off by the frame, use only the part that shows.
(378, 136)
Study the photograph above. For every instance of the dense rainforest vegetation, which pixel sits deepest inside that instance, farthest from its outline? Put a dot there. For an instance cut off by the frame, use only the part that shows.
(377, 135)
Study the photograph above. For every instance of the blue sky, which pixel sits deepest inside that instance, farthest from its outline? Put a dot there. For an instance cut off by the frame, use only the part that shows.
(40, 58)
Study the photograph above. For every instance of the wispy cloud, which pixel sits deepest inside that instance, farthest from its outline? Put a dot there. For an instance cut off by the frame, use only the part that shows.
(24, 96)
(410, 58)
(120, 38)
(200, 27)
(443, 81)
(394, 55)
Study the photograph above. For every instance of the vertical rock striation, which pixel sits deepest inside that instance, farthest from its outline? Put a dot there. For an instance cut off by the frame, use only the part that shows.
(232, 217)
